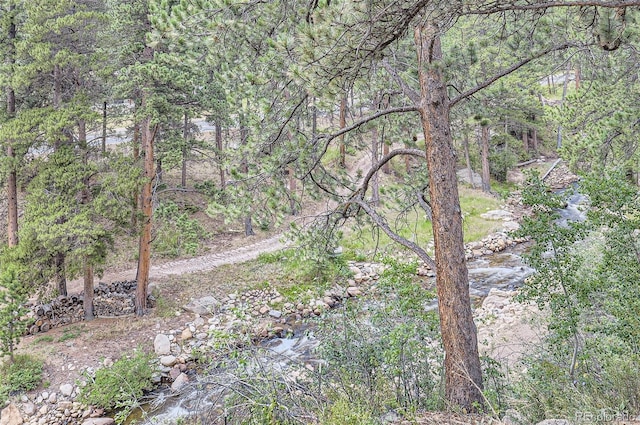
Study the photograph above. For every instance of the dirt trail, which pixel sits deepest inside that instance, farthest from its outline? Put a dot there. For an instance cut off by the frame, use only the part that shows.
(195, 264)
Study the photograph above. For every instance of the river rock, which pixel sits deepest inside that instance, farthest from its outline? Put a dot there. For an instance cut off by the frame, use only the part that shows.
(180, 382)
(10, 415)
(554, 422)
(99, 421)
(276, 314)
(354, 291)
(53, 398)
(29, 408)
(168, 360)
(202, 306)
(186, 334)
(66, 390)
(498, 215)
(162, 345)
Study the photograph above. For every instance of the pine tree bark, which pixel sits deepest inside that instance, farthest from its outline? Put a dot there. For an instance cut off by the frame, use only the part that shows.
(463, 374)
(104, 127)
(220, 149)
(87, 301)
(185, 137)
(144, 247)
(59, 272)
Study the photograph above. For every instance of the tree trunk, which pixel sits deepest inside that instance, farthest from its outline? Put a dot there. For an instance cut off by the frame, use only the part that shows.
(144, 257)
(220, 150)
(104, 127)
(463, 374)
(135, 196)
(159, 170)
(185, 137)
(486, 175)
(12, 178)
(375, 186)
(244, 168)
(525, 139)
(343, 123)
(60, 275)
(386, 168)
(87, 302)
(534, 140)
(467, 159)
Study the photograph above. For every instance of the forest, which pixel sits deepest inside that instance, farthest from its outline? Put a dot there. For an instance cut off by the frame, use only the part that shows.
(349, 124)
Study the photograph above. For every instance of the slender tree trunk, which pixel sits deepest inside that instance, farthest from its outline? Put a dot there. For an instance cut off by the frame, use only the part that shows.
(144, 256)
(87, 301)
(159, 170)
(244, 167)
(463, 374)
(135, 196)
(534, 140)
(60, 274)
(220, 148)
(564, 95)
(185, 137)
(467, 159)
(486, 175)
(12, 178)
(343, 123)
(525, 139)
(386, 168)
(578, 76)
(375, 183)
(104, 127)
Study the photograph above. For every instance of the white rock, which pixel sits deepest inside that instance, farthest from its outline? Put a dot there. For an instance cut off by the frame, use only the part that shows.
(99, 421)
(53, 398)
(180, 382)
(162, 345)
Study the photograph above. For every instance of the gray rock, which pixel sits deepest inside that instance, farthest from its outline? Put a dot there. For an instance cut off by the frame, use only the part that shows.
(66, 390)
(29, 409)
(168, 360)
(276, 314)
(53, 398)
(554, 422)
(180, 382)
(202, 306)
(10, 415)
(99, 421)
(162, 345)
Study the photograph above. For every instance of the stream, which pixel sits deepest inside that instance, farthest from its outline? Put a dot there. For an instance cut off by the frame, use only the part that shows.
(505, 271)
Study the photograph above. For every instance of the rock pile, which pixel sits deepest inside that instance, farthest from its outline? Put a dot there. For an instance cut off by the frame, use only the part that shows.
(51, 408)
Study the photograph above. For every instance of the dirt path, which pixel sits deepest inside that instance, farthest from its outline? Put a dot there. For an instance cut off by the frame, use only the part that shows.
(195, 264)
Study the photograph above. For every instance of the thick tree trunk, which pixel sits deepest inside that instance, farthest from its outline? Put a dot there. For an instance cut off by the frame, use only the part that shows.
(463, 374)
(87, 302)
(486, 174)
(12, 177)
(343, 123)
(144, 256)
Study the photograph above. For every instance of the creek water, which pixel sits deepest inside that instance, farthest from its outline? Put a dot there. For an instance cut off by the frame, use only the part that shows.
(504, 271)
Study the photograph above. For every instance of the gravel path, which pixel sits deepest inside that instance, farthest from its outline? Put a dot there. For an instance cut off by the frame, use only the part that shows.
(195, 264)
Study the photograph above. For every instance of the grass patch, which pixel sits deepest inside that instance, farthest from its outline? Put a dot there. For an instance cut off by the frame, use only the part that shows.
(42, 340)
(71, 332)
(414, 226)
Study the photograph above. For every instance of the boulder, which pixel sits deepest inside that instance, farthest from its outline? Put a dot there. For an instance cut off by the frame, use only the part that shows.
(202, 306)
(10, 415)
(66, 390)
(180, 382)
(162, 345)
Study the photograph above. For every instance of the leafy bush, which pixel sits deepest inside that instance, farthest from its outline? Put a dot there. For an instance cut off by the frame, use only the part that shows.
(120, 386)
(23, 373)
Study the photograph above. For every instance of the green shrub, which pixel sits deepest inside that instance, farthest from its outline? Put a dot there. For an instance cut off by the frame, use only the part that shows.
(120, 386)
(23, 373)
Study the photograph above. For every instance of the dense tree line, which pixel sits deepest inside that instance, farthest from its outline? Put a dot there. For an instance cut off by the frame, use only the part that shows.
(268, 72)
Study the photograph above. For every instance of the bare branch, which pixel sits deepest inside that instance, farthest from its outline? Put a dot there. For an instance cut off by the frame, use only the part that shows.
(511, 6)
(381, 222)
(408, 91)
(330, 137)
(509, 70)
(376, 167)
(424, 204)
